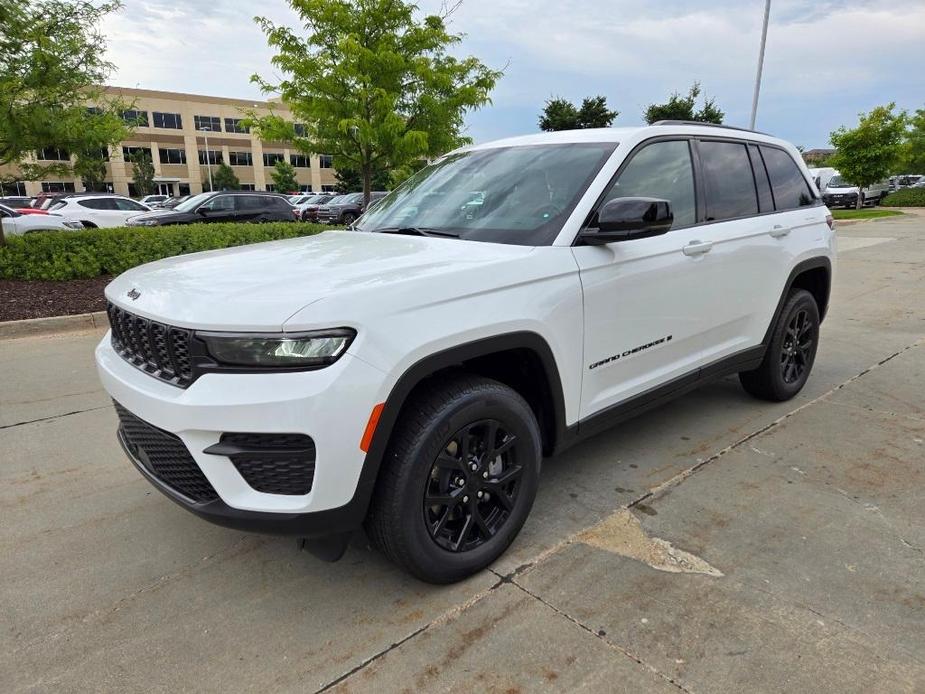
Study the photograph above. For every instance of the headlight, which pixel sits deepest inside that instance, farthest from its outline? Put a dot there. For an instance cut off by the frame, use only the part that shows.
(310, 350)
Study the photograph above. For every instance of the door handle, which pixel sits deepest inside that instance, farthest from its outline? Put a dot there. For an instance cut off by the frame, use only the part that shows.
(697, 247)
(778, 231)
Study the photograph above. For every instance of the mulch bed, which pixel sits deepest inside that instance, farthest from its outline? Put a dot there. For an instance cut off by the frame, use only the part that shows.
(21, 299)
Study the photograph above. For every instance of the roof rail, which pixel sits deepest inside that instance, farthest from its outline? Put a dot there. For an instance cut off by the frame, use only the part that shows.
(707, 125)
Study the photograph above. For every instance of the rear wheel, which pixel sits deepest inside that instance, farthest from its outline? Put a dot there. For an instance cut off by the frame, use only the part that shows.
(791, 352)
(459, 479)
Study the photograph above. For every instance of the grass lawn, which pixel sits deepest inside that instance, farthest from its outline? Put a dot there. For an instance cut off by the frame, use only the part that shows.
(864, 214)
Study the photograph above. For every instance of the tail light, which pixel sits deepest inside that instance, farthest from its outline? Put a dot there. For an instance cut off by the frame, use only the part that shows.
(830, 220)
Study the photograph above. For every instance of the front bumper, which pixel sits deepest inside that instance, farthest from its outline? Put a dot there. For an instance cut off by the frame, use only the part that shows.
(330, 405)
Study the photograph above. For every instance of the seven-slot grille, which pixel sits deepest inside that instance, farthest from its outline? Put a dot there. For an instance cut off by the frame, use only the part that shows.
(161, 350)
(164, 456)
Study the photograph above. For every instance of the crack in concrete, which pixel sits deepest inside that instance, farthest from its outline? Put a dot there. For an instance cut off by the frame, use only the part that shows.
(596, 634)
(54, 416)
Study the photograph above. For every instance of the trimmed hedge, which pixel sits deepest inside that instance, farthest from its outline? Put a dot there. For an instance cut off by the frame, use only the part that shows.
(94, 252)
(906, 197)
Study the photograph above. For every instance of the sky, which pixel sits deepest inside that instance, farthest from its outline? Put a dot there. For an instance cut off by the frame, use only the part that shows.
(826, 61)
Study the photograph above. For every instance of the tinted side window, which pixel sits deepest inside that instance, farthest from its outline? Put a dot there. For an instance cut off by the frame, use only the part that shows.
(250, 202)
(661, 170)
(99, 204)
(790, 188)
(765, 199)
(727, 180)
(221, 202)
(129, 205)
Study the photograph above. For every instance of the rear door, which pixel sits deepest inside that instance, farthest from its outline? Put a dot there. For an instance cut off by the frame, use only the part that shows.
(643, 298)
(746, 259)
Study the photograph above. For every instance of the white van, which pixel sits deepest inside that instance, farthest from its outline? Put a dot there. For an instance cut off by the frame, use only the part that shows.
(841, 193)
(822, 176)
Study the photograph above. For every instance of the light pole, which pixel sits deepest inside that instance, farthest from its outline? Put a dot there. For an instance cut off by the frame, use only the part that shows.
(764, 38)
(207, 129)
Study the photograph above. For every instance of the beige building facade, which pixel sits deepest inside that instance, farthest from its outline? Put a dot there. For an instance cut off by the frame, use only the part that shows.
(175, 128)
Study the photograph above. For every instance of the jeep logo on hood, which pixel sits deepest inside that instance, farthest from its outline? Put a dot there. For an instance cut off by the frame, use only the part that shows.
(133, 293)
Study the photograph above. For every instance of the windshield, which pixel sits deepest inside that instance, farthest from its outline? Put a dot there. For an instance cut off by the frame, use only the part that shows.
(839, 182)
(192, 203)
(518, 195)
(337, 199)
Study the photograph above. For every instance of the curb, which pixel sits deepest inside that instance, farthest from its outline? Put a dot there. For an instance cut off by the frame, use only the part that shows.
(40, 327)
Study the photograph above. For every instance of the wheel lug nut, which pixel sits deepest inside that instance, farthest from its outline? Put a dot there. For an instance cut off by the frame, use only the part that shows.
(473, 467)
(465, 499)
(485, 475)
(480, 495)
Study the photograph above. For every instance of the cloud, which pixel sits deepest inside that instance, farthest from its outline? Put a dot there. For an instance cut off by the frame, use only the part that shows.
(826, 61)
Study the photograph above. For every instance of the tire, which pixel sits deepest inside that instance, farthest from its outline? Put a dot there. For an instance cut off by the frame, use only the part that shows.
(462, 532)
(88, 225)
(786, 366)
(349, 218)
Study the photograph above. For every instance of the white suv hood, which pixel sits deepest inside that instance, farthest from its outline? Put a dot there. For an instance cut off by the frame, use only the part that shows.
(259, 287)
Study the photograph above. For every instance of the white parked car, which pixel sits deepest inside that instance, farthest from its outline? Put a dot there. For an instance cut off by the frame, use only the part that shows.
(410, 374)
(153, 200)
(98, 210)
(15, 223)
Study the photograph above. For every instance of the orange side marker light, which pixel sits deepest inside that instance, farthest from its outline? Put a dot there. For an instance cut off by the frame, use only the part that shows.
(371, 425)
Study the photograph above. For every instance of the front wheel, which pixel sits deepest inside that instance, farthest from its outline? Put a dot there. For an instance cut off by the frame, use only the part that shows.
(349, 218)
(458, 480)
(791, 353)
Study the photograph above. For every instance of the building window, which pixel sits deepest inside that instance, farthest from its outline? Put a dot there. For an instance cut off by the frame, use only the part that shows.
(240, 158)
(139, 119)
(129, 152)
(53, 154)
(13, 188)
(248, 186)
(325, 188)
(172, 156)
(270, 158)
(57, 186)
(167, 120)
(213, 123)
(299, 129)
(102, 154)
(271, 187)
(215, 157)
(235, 125)
(300, 161)
(306, 187)
(325, 161)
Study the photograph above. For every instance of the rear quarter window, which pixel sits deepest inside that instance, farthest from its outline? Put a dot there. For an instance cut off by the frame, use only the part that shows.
(791, 190)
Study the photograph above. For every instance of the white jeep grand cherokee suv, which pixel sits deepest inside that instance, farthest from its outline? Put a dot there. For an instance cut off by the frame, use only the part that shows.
(502, 304)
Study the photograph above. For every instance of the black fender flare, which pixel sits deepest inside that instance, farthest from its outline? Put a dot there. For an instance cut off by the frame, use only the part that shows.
(801, 267)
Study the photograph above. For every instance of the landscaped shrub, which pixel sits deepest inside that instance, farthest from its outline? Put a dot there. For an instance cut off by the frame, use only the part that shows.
(88, 253)
(906, 197)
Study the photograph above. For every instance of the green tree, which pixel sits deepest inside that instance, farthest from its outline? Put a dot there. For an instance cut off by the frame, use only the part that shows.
(143, 172)
(349, 179)
(868, 153)
(283, 176)
(561, 114)
(373, 83)
(51, 63)
(683, 108)
(90, 166)
(224, 178)
(912, 155)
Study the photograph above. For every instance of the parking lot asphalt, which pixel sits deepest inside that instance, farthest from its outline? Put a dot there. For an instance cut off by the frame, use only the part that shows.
(718, 544)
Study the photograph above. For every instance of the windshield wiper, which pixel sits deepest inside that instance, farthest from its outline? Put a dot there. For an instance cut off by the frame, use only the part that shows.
(415, 231)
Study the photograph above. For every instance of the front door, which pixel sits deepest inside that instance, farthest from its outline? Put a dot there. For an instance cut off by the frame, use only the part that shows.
(643, 310)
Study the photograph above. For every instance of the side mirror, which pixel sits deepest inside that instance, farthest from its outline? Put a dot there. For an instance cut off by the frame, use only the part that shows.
(623, 219)
(202, 210)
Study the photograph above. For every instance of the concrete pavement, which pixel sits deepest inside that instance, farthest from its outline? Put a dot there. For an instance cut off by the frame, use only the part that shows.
(808, 513)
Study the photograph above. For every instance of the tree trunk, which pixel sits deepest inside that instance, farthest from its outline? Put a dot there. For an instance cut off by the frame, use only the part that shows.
(859, 203)
(367, 184)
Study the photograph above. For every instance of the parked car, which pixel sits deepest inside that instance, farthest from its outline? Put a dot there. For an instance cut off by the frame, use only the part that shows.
(345, 209)
(222, 206)
(906, 181)
(409, 375)
(171, 203)
(152, 200)
(822, 176)
(16, 201)
(919, 184)
(97, 210)
(15, 223)
(841, 193)
(308, 209)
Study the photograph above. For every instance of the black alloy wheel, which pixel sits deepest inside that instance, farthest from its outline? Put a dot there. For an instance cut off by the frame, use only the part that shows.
(798, 347)
(473, 486)
(790, 354)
